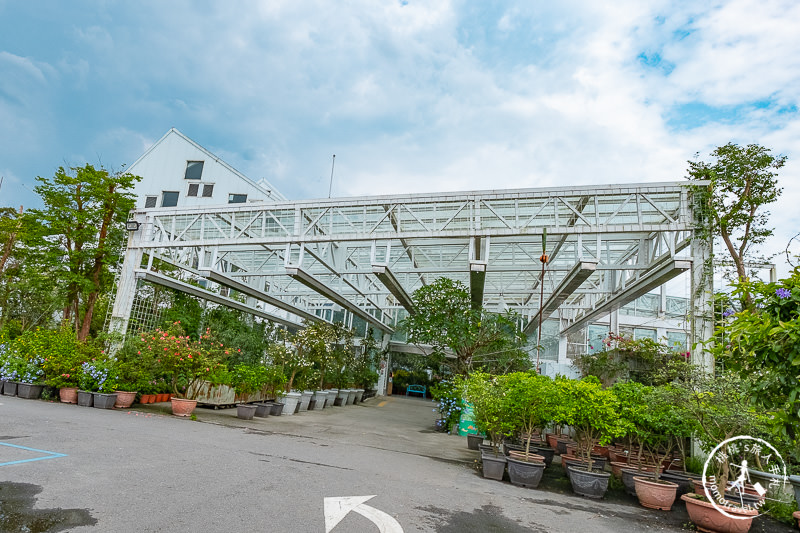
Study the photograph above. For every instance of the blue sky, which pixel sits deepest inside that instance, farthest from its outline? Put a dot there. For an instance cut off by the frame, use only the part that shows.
(410, 96)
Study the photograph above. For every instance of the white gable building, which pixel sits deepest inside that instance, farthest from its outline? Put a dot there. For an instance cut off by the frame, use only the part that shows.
(178, 172)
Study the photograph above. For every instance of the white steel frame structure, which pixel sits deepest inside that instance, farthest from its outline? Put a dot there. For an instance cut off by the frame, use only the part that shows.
(305, 260)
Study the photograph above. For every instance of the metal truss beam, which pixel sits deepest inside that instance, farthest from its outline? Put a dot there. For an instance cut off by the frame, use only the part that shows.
(222, 279)
(568, 285)
(160, 279)
(663, 272)
(384, 274)
(316, 285)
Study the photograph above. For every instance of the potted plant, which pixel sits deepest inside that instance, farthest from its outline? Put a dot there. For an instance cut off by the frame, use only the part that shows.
(186, 362)
(529, 399)
(11, 368)
(593, 412)
(664, 424)
(31, 380)
(485, 393)
(248, 379)
(99, 377)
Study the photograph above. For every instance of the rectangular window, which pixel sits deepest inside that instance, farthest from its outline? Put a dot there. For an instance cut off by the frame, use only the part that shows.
(641, 333)
(677, 340)
(194, 170)
(596, 334)
(150, 201)
(193, 188)
(169, 199)
(237, 198)
(208, 190)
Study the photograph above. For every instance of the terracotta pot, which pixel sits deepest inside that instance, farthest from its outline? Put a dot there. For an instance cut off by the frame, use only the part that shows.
(616, 468)
(551, 440)
(600, 450)
(68, 394)
(655, 494)
(616, 456)
(181, 407)
(520, 456)
(708, 518)
(124, 399)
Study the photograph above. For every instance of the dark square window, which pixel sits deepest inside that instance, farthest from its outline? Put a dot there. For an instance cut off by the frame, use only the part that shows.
(194, 170)
(208, 190)
(150, 201)
(237, 198)
(169, 199)
(193, 188)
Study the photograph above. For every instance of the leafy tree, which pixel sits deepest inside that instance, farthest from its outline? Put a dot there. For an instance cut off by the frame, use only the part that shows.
(81, 233)
(445, 320)
(743, 182)
(529, 399)
(593, 412)
(486, 393)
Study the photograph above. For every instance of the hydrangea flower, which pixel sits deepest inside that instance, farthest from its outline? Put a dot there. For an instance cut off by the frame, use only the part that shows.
(727, 313)
(783, 293)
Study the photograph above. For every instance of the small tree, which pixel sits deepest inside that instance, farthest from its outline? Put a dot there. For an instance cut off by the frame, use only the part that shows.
(743, 182)
(446, 320)
(490, 406)
(529, 403)
(594, 413)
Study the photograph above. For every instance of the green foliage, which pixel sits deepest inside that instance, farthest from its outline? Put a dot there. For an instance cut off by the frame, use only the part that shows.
(743, 182)
(593, 412)
(763, 341)
(99, 375)
(247, 379)
(529, 401)
(487, 396)
(80, 234)
(445, 320)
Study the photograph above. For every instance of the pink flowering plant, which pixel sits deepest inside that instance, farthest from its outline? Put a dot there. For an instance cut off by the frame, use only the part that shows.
(186, 363)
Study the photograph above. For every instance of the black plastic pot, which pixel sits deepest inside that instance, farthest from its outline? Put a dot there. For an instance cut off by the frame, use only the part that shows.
(276, 409)
(473, 441)
(524, 473)
(10, 388)
(589, 484)
(680, 479)
(29, 391)
(263, 409)
(493, 466)
(246, 411)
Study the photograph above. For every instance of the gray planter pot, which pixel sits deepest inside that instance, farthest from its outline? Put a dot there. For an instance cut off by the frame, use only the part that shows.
(305, 399)
(474, 441)
(85, 398)
(263, 409)
(10, 388)
(680, 479)
(319, 398)
(29, 391)
(246, 411)
(525, 474)
(291, 401)
(359, 395)
(589, 484)
(494, 467)
(340, 398)
(104, 401)
(547, 453)
(627, 479)
(276, 409)
(351, 396)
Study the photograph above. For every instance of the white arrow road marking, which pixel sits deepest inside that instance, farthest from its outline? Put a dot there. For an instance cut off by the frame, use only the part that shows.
(337, 508)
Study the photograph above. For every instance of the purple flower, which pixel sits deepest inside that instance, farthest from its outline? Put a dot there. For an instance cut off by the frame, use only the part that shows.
(727, 313)
(783, 293)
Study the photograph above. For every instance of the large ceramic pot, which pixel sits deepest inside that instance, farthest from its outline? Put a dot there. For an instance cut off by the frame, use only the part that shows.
(183, 407)
(525, 473)
(125, 399)
(245, 411)
(85, 398)
(29, 391)
(359, 395)
(10, 388)
(351, 396)
(589, 484)
(708, 518)
(493, 466)
(655, 494)
(305, 399)
(104, 401)
(291, 400)
(68, 394)
(319, 399)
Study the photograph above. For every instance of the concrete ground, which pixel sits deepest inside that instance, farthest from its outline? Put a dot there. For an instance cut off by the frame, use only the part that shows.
(69, 468)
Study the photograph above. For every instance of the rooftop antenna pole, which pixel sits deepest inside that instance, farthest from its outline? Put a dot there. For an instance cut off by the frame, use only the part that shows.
(543, 259)
(330, 187)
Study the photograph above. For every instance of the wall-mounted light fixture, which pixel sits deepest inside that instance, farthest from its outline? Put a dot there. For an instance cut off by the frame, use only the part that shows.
(131, 225)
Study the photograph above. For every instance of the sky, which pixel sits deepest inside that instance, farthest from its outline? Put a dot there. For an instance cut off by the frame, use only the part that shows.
(410, 96)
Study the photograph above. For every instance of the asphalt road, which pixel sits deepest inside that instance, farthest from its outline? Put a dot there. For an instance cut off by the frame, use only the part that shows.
(143, 470)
